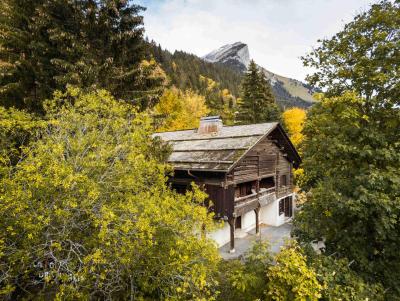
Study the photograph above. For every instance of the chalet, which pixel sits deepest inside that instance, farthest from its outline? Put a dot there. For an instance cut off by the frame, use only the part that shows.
(247, 171)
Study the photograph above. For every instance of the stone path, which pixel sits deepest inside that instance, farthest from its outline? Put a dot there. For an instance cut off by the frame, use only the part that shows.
(275, 235)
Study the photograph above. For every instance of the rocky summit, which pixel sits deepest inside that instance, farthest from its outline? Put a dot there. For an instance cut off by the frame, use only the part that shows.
(288, 91)
(235, 55)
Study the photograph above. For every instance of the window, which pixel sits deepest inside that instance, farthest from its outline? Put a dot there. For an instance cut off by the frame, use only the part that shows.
(244, 189)
(267, 183)
(238, 222)
(286, 207)
(283, 181)
(281, 206)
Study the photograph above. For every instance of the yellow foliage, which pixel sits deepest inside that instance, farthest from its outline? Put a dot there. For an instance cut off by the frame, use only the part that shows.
(294, 121)
(180, 110)
(290, 278)
(211, 84)
(92, 193)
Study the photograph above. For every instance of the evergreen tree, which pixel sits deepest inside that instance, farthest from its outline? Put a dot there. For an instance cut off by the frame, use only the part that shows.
(269, 109)
(19, 72)
(47, 44)
(258, 103)
(187, 71)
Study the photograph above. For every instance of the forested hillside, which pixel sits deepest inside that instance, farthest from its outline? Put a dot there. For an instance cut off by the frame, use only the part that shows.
(184, 70)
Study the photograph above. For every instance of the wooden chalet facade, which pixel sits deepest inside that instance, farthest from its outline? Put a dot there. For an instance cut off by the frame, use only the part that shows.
(247, 171)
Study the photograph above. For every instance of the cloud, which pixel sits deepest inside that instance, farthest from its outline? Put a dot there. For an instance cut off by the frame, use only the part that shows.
(278, 32)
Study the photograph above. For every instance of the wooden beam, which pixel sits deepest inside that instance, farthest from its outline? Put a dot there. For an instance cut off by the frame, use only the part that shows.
(201, 162)
(200, 169)
(213, 138)
(257, 212)
(232, 222)
(208, 149)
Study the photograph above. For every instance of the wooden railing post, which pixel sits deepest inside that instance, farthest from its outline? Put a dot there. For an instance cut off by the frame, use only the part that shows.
(257, 212)
(232, 222)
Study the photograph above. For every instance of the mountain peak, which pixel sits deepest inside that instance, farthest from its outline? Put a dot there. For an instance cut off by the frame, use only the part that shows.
(288, 91)
(235, 55)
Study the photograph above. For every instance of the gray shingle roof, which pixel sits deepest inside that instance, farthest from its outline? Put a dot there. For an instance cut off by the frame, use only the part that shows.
(213, 152)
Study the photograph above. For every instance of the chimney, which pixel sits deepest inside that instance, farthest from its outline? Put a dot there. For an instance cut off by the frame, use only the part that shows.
(210, 125)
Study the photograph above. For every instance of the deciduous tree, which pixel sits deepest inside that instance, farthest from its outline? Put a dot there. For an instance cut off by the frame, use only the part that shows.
(179, 110)
(245, 279)
(351, 162)
(363, 57)
(290, 278)
(293, 120)
(352, 146)
(340, 282)
(86, 212)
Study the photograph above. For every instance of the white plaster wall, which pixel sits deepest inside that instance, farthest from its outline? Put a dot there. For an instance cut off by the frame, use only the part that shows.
(222, 235)
(269, 214)
(249, 220)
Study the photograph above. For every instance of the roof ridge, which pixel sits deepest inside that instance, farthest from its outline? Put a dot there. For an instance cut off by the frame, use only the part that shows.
(224, 126)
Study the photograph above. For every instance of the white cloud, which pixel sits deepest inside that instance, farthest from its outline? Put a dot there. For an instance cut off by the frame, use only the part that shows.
(278, 32)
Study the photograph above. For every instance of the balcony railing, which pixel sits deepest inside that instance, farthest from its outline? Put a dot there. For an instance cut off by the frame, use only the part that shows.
(255, 197)
(267, 196)
(285, 190)
(246, 199)
(265, 191)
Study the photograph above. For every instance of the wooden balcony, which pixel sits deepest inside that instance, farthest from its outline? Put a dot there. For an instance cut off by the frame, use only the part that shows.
(252, 201)
(266, 196)
(284, 191)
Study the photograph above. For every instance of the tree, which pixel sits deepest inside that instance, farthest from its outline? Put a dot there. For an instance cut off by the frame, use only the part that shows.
(188, 72)
(18, 61)
(351, 162)
(229, 107)
(351, 147)
(290, 278)
(220, 101)
(47, 44)
(87, 214)
(293, 119)
(260, 276)
(340, 282)
(257, 103)
(363, 57)
(245, 279)
(212, 93)
(179, 110)
(17, 128)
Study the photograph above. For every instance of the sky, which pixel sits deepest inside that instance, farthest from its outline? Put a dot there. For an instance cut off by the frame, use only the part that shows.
(277, 32)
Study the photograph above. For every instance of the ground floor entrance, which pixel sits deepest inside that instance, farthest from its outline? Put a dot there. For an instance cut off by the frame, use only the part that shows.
(286, 206)
(273, 214)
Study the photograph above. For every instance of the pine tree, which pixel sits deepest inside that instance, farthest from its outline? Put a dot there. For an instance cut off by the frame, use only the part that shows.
(47, 44)
(18, 81)
(269, 109)
(258, 103)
